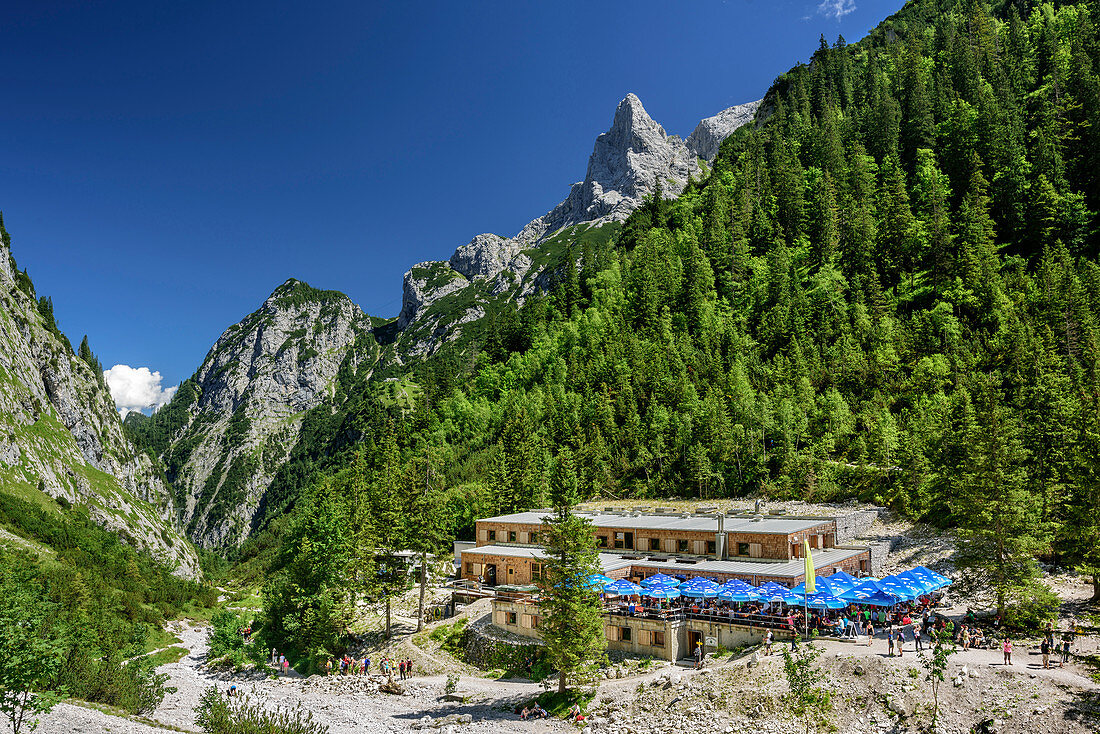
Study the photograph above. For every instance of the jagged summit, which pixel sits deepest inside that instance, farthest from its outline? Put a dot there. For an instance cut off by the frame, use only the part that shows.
(627, 163)
(241, 412)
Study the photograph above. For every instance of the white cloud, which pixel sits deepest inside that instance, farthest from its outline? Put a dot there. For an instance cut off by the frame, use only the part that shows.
(136, 388)
(836, 8)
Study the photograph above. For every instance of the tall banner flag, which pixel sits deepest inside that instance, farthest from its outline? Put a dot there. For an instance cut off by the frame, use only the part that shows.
(809, 570)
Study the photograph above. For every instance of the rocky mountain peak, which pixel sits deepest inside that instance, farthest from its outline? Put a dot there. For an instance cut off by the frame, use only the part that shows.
(248, 399)
(711, 131)
(627, 163)
(632, 125)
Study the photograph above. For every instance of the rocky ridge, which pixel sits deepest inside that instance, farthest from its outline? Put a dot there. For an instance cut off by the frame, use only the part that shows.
(241, 412)
(240, 415)
(60, 433)
(627, 164)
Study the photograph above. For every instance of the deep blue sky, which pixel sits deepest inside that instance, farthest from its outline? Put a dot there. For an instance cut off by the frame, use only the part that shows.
(164, 166)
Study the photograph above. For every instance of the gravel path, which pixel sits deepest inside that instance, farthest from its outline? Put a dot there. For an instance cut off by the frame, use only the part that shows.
(345, 704)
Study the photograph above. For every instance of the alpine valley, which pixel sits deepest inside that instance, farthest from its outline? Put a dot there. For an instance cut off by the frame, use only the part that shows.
(856, 320)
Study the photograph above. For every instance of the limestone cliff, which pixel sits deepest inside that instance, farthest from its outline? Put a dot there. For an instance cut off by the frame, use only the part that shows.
(235, 421)
(627, 164)
(60, 433)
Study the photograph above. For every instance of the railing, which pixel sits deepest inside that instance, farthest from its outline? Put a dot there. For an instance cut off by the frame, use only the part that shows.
(737, 619)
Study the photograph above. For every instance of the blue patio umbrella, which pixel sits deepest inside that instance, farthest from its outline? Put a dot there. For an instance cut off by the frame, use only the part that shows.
(772, 586)
(786, 596)
(702, 590)
(622, 587)
(848, 579)
(738, 594)
(879, 599)
(660, 580)
(939, 579)
(598, 581)
(695, 581)
(899, 588)
(865, 589)
(825, 601)
(662, 592)
(918, 581)
(821, 585)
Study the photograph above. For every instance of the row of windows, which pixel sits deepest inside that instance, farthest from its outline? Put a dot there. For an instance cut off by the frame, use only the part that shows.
(652, 638)
(513, 537)
(625, 541)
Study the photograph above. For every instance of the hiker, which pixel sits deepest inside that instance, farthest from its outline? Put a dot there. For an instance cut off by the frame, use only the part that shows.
(286, 666)
(409, 668)
(574, 714)
(282, 664)
(232, 691)
(274, 656)
(401, 669)
(870, 631)
(1067, 643)
(1007, 649)
(366, 666)
(539, 712)
(890, 641)
(698, 654)
(768, 640)
(1044, 650)
(917, 641)
(327, 667)
(525, 713)
(965, 637)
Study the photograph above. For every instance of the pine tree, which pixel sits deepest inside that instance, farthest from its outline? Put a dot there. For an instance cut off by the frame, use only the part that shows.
(994, 511)
(425, 527)
(1080, 534)
(572, 625)
(309, 602)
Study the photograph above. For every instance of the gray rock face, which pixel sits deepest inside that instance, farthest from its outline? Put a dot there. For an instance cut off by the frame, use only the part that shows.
(59, 431)
(485, 256)
(627, 163)
(710, 133)
(253, 389)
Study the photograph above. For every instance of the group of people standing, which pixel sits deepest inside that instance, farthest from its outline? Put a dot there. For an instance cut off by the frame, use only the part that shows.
(279, 662)
(387, 666)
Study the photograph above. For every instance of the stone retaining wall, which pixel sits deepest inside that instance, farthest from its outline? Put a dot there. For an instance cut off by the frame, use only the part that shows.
(855, 524)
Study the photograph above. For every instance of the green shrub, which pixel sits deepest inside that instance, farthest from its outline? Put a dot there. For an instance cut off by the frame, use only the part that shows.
(225, 643)
(134, 686)
(450, 637)
(218, 714)
(558, 704)
(1031, 607)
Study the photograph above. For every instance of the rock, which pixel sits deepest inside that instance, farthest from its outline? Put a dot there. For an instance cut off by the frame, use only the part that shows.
(902, 706)
(452, 697)
(711, 131)
(80, 433)
(627, 163)
(392, 686)
(249, 396)
(858, 669)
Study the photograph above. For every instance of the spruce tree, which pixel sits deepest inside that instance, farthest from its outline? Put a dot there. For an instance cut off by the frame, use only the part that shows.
(997, 518)
(572, 625)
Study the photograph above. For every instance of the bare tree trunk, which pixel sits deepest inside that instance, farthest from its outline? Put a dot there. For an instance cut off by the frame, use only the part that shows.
(388, 635)
(561, 681)
(1096, 588)
(423, 589)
